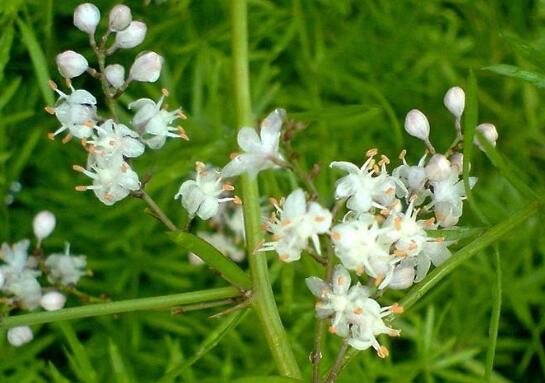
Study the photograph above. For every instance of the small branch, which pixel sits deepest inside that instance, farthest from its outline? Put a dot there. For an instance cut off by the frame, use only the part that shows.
(200, 306)
(337, 366)
(130, 305)
(155, 209)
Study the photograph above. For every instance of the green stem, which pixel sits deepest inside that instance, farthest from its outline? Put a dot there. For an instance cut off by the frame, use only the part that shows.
(140, 304)
(489, 237)
(263, 297)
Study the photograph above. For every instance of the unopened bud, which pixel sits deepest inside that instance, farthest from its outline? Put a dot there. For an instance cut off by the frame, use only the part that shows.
(43, 224)
(455, 101)
(71, 64)
(18, 336)
(489, 132)
(86, 18)
(457, 162)
(417, 125)
(402, 277)
(120, 18)
(115, 74)
(438, 168)
(52, 301)
(131, 36)
(146, 67)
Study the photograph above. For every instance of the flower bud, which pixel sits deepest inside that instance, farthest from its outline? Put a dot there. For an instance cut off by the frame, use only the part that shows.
(43, 224)
(71, 64)
(146, 67)
(417, 125)
(438, 168)
(18, 336)
(455, 101)
(120, 18)
(489, 132)
(131, 36)
(86, 18)
(52, 301)
(402, 277)
(457, 162)
(115, 74)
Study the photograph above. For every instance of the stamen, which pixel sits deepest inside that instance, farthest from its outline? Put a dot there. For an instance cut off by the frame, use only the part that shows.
(358, 310)
(332, 329)
(237, 200)
(50, 110)
(379, 279)
(165, 92)
(402, 154)
(234, 155)
(383, 352)
(81, 188)
(228, 187)
(52, 85)
(336, 236)
(67, 139)
(371, 152)
(51, 136)
(78, 168)
(396, 308)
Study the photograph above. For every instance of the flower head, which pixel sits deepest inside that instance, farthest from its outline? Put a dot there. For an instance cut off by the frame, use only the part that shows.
(297, 222)
(113, 140)
(113, 180)
(65, 268)
(260, 151)
(202, 196)
(154, 123)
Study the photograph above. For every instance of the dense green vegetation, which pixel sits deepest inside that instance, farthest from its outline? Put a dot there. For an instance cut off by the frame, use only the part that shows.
(349, 71)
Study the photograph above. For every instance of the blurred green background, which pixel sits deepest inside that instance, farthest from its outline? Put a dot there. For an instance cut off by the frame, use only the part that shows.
(349, 70)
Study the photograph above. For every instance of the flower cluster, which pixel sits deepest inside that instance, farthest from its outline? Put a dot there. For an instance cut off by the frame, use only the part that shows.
(110, 143)
(21, 275)
(390, 230)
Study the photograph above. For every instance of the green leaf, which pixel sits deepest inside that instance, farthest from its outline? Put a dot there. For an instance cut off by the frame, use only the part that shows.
(537, 79)
(6, 42)
(118, 367)
(56, 375)
(267, 379)
(208, 344)
(82, 362)
(38, 59)
(213, 257)
(494, 318)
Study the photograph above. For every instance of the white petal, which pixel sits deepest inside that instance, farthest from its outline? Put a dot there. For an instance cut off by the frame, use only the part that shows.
(248, 140)
(208, 208)
(270, 129)
(346, 166)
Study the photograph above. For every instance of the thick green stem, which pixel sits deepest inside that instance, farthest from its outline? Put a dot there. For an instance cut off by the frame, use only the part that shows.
(140, 304)
(263, 297)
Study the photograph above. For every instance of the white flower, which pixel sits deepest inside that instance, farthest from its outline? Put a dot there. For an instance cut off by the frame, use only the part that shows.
(154, 123)
(457, 162)
(447, 198)
(222, 243)
(18, 336)
(202, 196)
(115, 140)
(434, 252)
(412, 180)
(297, 222)
(86, 18)
(146, 67)
(489, 132)
(366, 187)
(64, 268)
(115, 74)
(360, 246)
(20, 274)
(417, 125)
(43, 224)
(120, 18)
(455, 101)
(71, 64)
(260, 151)
(402, 277)
(131, 36)
(113, 180)
(438, 168)
(76, 112)
(2, 279)
(52, 301)
(354, 314)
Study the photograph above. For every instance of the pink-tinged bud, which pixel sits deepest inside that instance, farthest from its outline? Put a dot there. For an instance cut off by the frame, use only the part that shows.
(115, 74)
(71, 64)
(489, 132)
(455, 101)
(86, 18)
(402, 277)
(417, 125)
(120, 18)
(52, 301)
(438, 168)
(457, 162)
(18, 336)
(131, 36)
(146, 67)
(43, 224)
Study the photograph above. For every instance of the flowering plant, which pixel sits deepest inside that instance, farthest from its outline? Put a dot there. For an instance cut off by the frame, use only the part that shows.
(390, 220)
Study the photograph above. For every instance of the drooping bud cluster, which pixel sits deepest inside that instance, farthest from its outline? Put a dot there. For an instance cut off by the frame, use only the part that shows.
(111, 143)
(23, 276)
